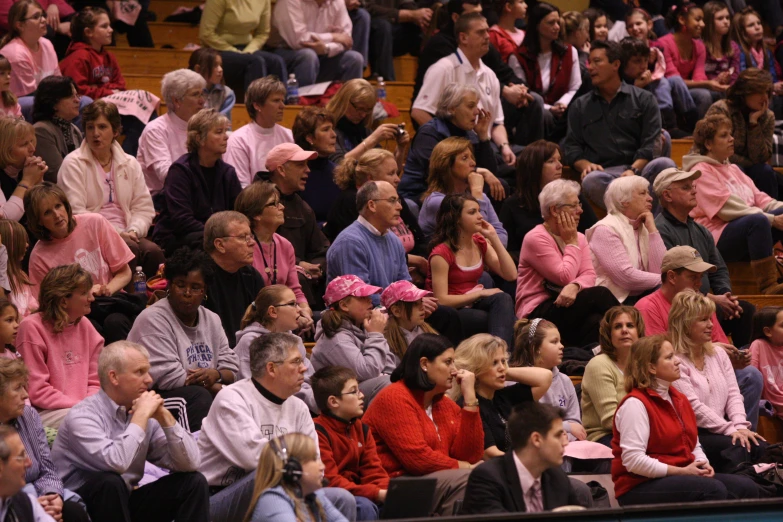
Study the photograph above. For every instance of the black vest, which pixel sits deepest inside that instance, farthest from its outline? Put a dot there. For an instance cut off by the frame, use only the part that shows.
(20, 509)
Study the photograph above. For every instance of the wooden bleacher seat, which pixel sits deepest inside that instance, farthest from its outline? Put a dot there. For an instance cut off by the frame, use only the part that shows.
(177, 35)
(163, 8)
(742, 279)
(771, 428)
(137, 60)
(760, 301)
(679, 149)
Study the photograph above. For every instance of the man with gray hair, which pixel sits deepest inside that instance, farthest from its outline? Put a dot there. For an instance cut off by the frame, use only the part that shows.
(15, 504)
(163, 140)
(234, 283)
(368, 250)
(105, 440)
(246, 415)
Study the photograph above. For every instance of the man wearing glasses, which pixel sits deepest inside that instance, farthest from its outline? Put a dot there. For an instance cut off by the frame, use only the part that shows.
(246, 415)
(15, 504)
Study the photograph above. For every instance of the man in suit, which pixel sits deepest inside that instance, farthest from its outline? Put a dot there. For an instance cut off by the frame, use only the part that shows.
(529, 478)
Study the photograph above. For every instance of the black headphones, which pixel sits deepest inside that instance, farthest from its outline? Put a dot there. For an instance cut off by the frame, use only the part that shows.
(292, 468)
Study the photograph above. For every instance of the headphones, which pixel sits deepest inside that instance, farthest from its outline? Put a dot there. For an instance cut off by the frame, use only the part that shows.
(292, 468)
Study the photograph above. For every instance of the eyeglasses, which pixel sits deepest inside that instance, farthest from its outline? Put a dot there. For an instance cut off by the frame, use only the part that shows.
(361, 109)
(685, 188)
(275, 203)
(247, 238)
(293, 362)
(183, 288)
(292, 303)
(575, 205)
(20, 458)
(36, 17)
(393, 200)
(198, 95)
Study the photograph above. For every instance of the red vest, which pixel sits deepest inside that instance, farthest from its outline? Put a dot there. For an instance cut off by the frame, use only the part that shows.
(673, 435)
(559, 77)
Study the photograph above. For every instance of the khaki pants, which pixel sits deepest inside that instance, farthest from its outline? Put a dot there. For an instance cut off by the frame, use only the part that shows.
(449, 489)
(53, 418)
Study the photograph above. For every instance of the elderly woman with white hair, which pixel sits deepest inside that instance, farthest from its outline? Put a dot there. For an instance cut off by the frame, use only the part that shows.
(555, 277)
(626, 247)
(198, 184)
(459, 115)
(163, 140)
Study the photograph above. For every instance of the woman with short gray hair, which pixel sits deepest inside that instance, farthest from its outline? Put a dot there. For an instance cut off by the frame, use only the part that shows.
(198, 184)
(556, 279)
(626, 247)
(458, 114)
(163, 140)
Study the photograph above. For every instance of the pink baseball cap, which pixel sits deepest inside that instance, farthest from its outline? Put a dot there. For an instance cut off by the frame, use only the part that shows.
(287, 152)
(348, 285)
(402, 291)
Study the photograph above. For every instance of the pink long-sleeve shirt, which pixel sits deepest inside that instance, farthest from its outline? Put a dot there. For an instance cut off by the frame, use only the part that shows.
(541, 259)
(162, 143)
(769, 360)
(282, 257)
(63, 366)
(29, 67)
(692, 69)
(713, 393)
(655, 312)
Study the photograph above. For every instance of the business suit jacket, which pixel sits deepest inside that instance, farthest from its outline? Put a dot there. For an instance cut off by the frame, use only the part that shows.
(494, 487)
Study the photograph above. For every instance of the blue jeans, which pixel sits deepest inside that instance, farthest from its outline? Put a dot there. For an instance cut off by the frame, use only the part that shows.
(494, 315)
(361, 33)
(751, 383)
(241, 69)
(310, 68)
(366, 509)
(702, 98)
(764, 177)
(662, 90)
(681, 95)
(690, 489)
(594, 185)
(748, 237)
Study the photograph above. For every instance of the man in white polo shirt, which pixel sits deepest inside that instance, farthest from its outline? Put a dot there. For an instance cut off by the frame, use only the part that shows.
(465, 66)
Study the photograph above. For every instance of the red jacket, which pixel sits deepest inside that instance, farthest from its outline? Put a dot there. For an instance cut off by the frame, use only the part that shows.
(409, 443)
(560, 73)
(96, 74)
(502, 42)
(673, 435)
(349, 454)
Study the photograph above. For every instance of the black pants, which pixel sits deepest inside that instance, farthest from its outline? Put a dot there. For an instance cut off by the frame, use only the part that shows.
(197, 399)
(741, 328)
(389, 39)
(74, 512)
(115, 327)
(181, 497)
(524, 124)
(690, 489)
(578, 323)
(723, 455)
(446, 321)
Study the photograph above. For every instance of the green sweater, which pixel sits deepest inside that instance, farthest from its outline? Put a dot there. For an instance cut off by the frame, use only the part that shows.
(603, 387)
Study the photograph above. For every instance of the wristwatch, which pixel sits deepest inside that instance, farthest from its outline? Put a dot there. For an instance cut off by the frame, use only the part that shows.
(220, 378)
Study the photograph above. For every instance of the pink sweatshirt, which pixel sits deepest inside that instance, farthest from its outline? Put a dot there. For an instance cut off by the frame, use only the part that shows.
(286, 265)
(714, 393)
(63, 366)
(248, 146)
(655, 312)
(30, 68)
(162, 143)
(692, 69)
(540, 259)
(769, 360)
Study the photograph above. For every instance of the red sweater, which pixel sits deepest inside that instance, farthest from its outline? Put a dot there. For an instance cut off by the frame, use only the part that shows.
(673, 435)
(96, 74)
(409, 443)
(559, 76)
(349, 454)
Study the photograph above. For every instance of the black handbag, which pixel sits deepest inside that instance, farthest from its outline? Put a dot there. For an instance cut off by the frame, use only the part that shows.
(123, 303)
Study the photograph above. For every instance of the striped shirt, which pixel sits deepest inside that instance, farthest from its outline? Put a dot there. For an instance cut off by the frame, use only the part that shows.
(42, 473)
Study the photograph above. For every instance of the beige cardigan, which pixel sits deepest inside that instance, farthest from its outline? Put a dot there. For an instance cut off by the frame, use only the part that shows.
(82, 180)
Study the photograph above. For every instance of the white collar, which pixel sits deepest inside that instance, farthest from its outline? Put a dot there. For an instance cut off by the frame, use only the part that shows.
(369, 226)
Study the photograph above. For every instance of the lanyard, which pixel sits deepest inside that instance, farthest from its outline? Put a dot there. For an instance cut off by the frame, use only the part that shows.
(271, 273)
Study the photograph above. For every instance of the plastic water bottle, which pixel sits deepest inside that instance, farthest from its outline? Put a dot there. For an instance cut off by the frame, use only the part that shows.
(381, 89)
(292, 90)
(140, 283)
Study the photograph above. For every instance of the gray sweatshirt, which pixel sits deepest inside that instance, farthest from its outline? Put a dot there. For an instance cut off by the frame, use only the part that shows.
(176, 348)
(367, 354)
(562, 394)
(244, 340)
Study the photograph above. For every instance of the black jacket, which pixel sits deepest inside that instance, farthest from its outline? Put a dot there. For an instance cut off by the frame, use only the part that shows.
(494, 487)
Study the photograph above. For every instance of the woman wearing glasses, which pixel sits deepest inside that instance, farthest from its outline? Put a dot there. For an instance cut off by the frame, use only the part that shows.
(273, 255)
(198, 184)
(555, 276)
(99, 177)
(189, 353)
(275, 310)
(352, 108)
(626, 247)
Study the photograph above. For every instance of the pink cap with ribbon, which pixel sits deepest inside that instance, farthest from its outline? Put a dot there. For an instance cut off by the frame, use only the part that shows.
(402, 291)
(348, 285)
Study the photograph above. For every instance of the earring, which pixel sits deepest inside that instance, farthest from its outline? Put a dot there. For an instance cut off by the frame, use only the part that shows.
(205, 297)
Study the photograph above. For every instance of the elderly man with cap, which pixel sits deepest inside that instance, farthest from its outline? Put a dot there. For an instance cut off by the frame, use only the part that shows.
(676, 192)
(368, 249)
(682, 268)
(287, 165)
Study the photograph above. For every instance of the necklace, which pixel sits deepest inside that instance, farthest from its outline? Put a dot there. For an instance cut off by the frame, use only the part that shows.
(104, 165)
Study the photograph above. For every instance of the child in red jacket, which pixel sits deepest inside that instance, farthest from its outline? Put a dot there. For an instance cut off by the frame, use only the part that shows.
(347, 446)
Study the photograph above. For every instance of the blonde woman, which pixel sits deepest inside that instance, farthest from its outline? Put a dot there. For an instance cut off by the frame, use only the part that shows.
(453, 171)
(20, 169)
(198, 184)
(375, 165)
(658, 457)
(352, 108)
(708, 381)
(486, 356)
(288, 483)
(59, 346)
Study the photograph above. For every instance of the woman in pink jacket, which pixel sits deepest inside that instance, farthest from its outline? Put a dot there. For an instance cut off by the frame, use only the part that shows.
(744, 221)
(555, 278)
(59, 346)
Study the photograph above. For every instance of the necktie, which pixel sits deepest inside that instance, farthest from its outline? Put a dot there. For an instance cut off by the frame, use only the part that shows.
(535, 500)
